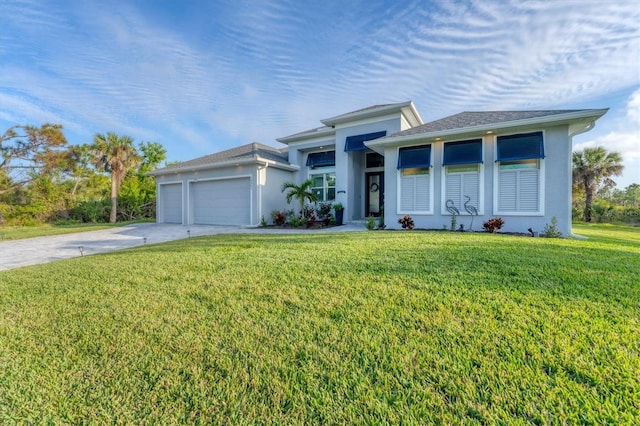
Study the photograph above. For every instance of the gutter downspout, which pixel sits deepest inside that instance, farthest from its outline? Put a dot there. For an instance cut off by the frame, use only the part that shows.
(259, 190)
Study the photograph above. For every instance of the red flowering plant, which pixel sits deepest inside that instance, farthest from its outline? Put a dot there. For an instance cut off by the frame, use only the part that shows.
(493, 224)
(278, 217)
(406, 222)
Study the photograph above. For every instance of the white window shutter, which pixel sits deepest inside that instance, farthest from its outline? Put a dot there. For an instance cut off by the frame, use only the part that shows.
(407, 193)
(529, 190)
(454, 189)
(508, 191)
(422, 192)
(471, 188)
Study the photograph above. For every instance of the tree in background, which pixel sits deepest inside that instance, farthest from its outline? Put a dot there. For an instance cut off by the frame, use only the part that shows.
(43, 179)
(138, 192)
(29, 152)
(300, 192)
(115, 155)
(592, 169)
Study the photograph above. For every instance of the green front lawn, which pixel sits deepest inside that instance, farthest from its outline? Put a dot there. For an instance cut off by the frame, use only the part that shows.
(376, 327)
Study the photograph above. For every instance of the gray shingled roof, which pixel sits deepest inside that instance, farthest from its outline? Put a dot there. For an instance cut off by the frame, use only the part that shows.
(482, 118)
(244, 152)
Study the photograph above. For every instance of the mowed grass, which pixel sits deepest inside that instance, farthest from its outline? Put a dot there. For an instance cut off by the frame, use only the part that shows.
(376, 327)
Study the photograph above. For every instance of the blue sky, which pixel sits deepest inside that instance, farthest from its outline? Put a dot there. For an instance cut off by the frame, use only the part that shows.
(202, 76)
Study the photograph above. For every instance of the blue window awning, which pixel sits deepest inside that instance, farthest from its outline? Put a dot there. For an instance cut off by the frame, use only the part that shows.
(464, 152)
(414, 157)
(523, 146)
(321, 159)
(356, 143)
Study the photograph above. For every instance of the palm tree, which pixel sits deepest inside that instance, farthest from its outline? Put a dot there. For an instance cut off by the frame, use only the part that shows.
(115, 155)
(299, 192)
(593, 167)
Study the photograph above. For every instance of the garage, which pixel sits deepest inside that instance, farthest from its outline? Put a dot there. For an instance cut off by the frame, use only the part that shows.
(171, 206)
(222, 201)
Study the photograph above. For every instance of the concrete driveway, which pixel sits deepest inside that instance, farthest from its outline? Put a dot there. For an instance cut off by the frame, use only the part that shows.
(32, 251)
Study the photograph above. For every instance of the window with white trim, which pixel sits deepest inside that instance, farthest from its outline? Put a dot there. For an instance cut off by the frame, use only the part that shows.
(414, 194)
(519, 173)
(462, 187)
(519, 186)
(415, 190)
(322, 172)
(324, 183)
(462, 176)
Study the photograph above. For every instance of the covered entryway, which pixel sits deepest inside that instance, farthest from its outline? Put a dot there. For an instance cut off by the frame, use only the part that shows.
(222, 201)
(171, 203)
(374, 194)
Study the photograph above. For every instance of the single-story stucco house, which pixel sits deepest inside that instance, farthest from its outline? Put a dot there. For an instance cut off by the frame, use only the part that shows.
(385, 160)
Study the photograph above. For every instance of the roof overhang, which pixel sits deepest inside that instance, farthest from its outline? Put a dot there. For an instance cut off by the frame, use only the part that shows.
(412, 115)
(371, 113)
(579, 120)
(256, 159)
(320, 132)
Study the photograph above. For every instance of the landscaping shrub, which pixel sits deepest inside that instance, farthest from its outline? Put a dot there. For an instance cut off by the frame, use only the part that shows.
(551, 230)
(323, 210)
(309, 212)
(92, 211)
(493, 225)
(371, 223)
(278, 217)
(406, 222)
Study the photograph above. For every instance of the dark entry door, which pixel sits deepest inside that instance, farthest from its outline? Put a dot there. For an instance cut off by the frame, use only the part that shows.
(374, 191)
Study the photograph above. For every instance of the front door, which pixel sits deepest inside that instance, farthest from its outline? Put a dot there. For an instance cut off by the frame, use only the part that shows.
(374, 191)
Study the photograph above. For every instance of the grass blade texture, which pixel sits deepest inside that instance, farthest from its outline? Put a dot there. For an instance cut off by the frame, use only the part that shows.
(377, 327)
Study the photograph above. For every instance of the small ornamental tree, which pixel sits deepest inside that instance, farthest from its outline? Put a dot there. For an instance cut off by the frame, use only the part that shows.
(300, 192)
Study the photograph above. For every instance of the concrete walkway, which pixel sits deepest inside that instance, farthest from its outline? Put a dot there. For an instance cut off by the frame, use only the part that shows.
(32, 251)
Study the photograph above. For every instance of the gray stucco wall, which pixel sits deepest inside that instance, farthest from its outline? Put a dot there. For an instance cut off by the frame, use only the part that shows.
(272, 196)
(350, 166)
(228, 172)
(556, 191)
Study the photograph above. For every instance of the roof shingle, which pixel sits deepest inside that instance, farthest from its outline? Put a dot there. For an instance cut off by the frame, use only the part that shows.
(481, 118)
(243, 152)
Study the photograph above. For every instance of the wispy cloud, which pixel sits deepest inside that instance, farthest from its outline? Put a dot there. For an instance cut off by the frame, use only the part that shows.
(624, 139)
(201, 76)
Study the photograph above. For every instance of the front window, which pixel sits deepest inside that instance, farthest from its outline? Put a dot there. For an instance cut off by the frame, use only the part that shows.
(462, 177)
(522, 164)
(324, 184)
(462, 188)
(415, 171)
(519, 186)
(374, 160)
(520, 174)
(414, 192)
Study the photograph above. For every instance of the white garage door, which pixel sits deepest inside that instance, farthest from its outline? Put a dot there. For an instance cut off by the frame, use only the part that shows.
(171, 203)
(222, 202)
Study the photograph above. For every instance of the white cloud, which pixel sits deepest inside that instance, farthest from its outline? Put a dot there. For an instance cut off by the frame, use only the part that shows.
(254, 72)
(624, 139)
